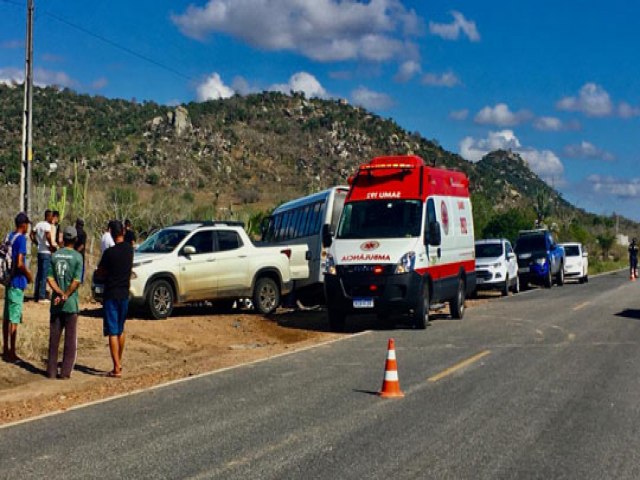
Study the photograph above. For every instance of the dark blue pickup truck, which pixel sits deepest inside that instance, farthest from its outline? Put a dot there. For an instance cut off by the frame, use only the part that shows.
(540, 258)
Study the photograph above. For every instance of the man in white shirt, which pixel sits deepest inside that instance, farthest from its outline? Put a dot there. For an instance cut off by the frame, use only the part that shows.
(42, 235)
(107, 240)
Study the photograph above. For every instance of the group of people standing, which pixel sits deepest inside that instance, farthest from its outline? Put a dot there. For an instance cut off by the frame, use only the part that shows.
(61, 266)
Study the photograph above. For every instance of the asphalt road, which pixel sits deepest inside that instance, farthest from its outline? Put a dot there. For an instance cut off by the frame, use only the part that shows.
(556, 394)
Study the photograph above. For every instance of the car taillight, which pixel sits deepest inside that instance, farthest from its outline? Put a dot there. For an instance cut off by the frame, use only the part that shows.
(287, 252)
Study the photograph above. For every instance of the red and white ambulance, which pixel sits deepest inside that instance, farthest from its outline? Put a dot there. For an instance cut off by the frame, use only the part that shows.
(404, 242)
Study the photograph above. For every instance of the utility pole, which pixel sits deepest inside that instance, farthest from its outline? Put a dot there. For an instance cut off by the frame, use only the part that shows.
(27, 125)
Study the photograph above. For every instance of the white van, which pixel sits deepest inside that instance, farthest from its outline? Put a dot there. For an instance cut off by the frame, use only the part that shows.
(403, 243)
(576, 262)
(300, 222)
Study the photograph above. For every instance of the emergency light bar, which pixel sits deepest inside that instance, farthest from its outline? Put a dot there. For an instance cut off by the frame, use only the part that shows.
(387, 166)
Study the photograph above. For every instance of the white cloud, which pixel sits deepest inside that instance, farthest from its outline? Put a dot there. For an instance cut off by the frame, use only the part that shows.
(41, 77)
(628, 111)
(323, 30)
(543, 162)
(459, 114)
(213, 88)
(371, 100)
(407, 71)
(302, 82)
(451, 31)
(554, 124)
(592, 100)
(587, 150)
(447, 79)
(501, 116)
(623, 188)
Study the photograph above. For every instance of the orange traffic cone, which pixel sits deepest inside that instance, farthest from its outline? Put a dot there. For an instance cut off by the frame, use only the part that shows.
(391, 384)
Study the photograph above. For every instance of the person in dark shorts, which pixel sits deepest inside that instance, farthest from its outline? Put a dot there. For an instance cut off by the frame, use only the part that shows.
(14, 292)
(64, 279)
(129, 234)
(115, 268)
(81, 243)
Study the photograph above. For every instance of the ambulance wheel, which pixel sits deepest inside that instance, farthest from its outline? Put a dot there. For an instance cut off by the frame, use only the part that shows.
(457, 304)
(421, 311)
(336, 320)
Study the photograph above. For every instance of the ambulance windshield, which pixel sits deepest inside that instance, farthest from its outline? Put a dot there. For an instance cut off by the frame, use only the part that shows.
(381, 219)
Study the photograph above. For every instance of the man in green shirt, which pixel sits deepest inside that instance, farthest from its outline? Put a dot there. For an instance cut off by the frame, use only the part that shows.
(64, 277)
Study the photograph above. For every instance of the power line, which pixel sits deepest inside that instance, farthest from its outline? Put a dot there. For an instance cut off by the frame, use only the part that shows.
(114, 44)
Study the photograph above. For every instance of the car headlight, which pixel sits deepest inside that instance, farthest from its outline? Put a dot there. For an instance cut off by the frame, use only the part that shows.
(133, 275)
(496, 265)
(329, 265)
(407, 263)
(541, 261)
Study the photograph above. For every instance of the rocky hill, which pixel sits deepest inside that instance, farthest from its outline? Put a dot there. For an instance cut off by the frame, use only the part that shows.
(258, 149)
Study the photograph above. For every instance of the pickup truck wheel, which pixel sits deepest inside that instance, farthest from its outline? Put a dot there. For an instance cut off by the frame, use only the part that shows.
(560, 276)
(421, 312)
(548, 280)
(266, 296)
(516, 285)
(457, 304)
(160, 299)
(336, 320)
(505, 289)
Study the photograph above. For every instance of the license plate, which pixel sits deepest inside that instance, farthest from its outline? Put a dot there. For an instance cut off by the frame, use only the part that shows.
(363, 303)
(523, 270)
(98, 289)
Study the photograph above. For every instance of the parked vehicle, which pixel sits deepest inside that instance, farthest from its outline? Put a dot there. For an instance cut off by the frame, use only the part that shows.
(540, 258)
(299, 222)
(212, 261)
(496, 266)
(576, 262)
(404, 242)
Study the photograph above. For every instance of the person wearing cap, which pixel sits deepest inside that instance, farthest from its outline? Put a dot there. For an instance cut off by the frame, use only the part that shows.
(81, 242)
(64, 278)
(14, 293)
(115, 267)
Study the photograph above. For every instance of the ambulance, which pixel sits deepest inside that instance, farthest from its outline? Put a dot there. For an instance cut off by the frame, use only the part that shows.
(404, 243)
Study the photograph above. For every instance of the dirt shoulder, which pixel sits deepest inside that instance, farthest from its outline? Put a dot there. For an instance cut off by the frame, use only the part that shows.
(196, 340)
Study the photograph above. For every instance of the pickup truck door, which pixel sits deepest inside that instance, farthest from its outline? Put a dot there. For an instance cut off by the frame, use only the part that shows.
(232, 264)
(198, 276)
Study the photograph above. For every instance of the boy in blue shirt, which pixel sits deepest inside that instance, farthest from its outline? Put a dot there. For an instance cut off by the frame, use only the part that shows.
(14, 293)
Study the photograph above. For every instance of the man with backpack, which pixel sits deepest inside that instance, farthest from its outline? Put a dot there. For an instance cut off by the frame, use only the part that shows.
(15, 277)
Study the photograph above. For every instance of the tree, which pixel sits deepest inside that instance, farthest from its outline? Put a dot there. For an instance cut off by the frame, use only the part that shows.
(605, 241)
(508, 224)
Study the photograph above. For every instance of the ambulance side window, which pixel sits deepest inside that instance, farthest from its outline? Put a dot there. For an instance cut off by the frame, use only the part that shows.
(431, 216)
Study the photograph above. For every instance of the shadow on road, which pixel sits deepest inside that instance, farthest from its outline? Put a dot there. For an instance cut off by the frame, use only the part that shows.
(629, 313)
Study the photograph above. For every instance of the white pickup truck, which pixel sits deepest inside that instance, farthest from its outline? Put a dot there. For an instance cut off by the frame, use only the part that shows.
(212, 261)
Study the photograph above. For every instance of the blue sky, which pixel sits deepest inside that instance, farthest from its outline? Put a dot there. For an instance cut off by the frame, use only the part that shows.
(558, 82)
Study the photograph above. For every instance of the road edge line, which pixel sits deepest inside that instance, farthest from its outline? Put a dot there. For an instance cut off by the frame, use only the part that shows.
(179, 380)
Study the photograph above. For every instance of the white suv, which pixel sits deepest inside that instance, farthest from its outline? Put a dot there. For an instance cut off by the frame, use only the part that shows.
(576, 264)
(211, 261)
(496, 266)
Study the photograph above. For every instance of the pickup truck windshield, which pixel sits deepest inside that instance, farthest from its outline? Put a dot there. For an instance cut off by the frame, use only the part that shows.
(488, 250)
(531, 243)
(381, 219)
(164, 241)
